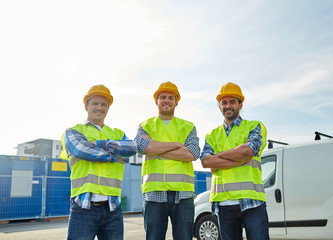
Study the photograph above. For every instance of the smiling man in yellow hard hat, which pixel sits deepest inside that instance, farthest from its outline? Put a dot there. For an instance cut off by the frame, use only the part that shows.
(233, 152)
(170, 145)
(94, 151)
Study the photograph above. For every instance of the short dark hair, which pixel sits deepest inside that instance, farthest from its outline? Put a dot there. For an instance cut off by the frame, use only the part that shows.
(160, 93)
(87, 102)
(239, 100)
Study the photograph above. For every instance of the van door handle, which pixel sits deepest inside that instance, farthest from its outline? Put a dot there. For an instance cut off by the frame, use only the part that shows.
(278, 195)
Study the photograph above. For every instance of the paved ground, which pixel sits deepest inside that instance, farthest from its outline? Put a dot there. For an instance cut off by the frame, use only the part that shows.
(56, 229)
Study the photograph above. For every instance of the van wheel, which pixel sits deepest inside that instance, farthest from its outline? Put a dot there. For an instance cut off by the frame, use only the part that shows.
(207, 228)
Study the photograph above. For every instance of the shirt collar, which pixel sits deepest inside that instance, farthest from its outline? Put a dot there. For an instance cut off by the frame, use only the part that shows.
(86, 122)
(236, 122)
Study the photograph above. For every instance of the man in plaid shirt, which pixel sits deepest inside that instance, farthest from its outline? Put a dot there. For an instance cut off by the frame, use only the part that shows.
(233, 151)
(95, 153)
(170, 145)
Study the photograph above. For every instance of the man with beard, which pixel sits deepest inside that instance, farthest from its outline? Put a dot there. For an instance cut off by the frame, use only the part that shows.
(170, 145)
(233, 153)
(94, 151)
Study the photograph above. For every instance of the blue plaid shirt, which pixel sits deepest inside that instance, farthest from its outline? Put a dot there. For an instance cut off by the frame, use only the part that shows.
(77, 145)
(191, 142)
(254, 142)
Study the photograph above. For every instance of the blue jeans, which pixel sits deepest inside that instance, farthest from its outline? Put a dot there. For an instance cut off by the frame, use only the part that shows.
(254, 220)
(85, 224)
(181, 215)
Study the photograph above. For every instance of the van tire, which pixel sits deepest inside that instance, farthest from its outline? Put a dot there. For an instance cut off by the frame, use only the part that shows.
(207, 228)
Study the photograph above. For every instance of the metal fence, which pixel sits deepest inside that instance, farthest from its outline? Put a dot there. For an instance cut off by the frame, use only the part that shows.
(34, 197)
(24, 196)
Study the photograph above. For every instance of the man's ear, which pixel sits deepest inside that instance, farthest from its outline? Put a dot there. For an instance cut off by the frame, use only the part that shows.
(219, 105)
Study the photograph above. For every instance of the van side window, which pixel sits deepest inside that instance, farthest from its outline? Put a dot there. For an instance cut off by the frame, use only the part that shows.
(268, 166)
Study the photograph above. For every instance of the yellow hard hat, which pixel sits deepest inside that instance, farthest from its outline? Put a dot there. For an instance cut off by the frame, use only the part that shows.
(230, 89)
(167, 87)
(100, 90)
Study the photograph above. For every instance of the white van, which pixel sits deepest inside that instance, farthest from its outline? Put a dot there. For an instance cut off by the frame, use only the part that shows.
(298, 182)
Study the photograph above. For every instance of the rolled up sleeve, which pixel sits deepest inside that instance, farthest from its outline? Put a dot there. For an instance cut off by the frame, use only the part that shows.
(255, 140)
(192, 143)
(141, 142)
(207, 150)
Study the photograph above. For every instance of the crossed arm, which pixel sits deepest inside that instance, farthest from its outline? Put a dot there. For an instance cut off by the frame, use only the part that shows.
(189, 151)
(171, 150)
(233, 157)
(228, 159)
(78, 146)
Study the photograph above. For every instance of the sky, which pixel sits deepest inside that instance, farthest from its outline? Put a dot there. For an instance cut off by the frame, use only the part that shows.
(279, 52)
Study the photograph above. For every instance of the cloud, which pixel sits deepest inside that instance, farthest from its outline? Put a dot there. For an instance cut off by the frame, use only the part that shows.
(302, 92)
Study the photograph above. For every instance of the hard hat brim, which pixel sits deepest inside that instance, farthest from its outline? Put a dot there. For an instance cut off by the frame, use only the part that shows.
(241, 97)
(109, 97)
(166, 90)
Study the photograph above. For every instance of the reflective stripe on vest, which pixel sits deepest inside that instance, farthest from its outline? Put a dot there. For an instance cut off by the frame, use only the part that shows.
(72, 161)
(254, 163)
(161, 174)
(109, 182)
(152, 157)
(160, 177)
(228, 187)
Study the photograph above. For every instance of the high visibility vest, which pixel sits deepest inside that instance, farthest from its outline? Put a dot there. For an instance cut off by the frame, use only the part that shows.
(104, 178)
(162, 174)
(242, 182)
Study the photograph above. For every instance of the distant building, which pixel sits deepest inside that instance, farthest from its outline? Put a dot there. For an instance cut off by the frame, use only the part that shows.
(136, 159)
(40, 148)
